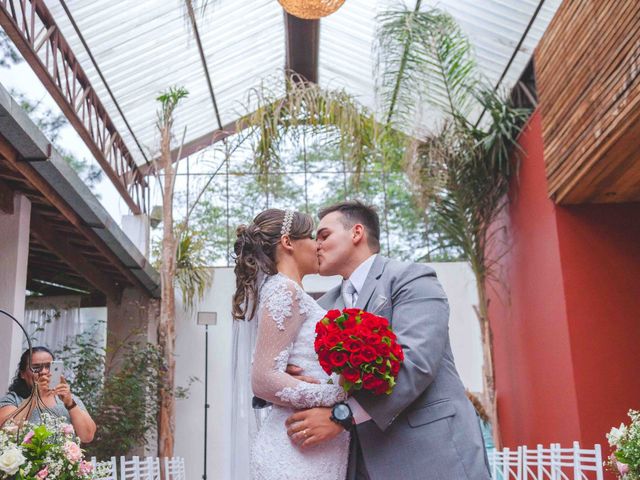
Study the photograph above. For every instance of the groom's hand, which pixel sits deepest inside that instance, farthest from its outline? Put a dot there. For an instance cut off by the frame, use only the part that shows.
(296, 372)
(312, 427)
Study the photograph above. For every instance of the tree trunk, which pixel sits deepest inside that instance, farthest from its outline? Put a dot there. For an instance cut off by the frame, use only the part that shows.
(166, 328)
(487, 350)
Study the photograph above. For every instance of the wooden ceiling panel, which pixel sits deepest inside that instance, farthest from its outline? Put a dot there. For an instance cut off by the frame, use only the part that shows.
(588, 78)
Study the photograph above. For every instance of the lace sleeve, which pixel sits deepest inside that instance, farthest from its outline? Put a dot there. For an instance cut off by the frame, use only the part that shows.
(280, 320)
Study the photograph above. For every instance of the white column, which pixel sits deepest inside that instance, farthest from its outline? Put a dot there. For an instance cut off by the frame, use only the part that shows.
(14, 254)
(136, 227)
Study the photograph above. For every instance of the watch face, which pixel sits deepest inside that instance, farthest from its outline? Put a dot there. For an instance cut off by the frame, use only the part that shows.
(341, 412)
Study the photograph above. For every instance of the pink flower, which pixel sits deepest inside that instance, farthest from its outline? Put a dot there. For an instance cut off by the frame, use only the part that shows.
(72, 451)
(42, 474)
(28, 437)
(623, 468)
(67, 429)
(85, 468)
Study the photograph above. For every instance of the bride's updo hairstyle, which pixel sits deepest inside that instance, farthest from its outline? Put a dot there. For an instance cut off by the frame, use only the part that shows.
(255, 252)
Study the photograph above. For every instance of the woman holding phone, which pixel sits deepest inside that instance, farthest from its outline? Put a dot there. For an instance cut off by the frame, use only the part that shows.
(57, 398)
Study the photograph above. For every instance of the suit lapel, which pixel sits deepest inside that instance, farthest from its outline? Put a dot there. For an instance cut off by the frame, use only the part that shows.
(332, 299)
(371, 282)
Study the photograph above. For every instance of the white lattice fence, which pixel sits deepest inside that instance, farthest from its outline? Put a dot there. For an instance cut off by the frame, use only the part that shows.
(547, 463)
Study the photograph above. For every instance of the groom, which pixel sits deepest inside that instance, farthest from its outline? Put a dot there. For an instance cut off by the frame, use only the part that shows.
(426, 429)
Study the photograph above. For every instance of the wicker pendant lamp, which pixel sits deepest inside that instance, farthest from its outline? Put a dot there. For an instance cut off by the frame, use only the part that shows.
(311, 9)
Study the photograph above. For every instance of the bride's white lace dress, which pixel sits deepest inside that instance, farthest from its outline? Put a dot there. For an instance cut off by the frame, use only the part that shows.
(286, 330)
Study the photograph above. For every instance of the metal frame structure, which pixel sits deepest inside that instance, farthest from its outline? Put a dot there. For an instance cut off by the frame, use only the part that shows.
(35, 33)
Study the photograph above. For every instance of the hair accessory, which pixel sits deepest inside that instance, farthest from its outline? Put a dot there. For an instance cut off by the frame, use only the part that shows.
(286, 222)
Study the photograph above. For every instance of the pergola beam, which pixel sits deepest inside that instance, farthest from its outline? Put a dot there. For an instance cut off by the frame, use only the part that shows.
(7, 153)
(34, 32)
(303, 45)
(201, 143)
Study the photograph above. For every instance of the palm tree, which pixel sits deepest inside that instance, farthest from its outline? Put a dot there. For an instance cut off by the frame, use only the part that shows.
(462, 169)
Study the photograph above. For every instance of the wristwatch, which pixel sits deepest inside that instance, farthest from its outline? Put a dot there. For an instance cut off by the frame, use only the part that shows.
(72, 406)
(341, 414)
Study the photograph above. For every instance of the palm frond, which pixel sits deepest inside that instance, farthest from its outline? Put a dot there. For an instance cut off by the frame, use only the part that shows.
(307, 108)
(192, 275)
(421, 56)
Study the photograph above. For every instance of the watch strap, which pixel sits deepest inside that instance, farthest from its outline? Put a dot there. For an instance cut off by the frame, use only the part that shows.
(346, 423)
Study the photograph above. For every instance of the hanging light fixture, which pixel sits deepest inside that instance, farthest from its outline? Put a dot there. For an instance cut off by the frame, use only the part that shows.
(311, 9)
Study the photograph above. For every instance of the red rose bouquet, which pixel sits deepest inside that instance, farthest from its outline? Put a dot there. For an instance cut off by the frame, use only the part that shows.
(361, 347)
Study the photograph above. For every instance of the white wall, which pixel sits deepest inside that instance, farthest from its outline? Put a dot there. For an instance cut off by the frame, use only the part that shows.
(456, 278)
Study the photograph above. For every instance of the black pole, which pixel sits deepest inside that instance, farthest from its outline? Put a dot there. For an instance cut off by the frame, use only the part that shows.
(206, 392)
(25, 334)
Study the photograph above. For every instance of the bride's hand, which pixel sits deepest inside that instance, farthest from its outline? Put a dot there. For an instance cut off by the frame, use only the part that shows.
(296, 372)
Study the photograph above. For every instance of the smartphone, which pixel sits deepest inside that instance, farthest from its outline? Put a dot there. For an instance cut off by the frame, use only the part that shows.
(56, 371)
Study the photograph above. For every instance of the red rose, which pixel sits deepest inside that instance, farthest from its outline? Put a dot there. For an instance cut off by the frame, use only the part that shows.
(338, 359)
(351, 374)
(369, 320)
(352, 345)
(396, 349)
(368, 353)
(383, 349)
(395, 368)
(384, 386)
(333, 314)
(352, 311)
(332, 339)
(373, 339)
(350, 322)
(382, 368)
(321, 329)
(356, 359)
(371, 382)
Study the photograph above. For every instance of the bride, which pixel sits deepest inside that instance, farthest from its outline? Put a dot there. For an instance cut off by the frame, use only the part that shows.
(272, 256)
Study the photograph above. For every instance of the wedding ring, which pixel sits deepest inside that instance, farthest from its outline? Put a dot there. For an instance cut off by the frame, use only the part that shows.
(304, 432)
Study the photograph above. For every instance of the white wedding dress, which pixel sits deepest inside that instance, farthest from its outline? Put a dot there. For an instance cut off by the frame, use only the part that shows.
(286, 318)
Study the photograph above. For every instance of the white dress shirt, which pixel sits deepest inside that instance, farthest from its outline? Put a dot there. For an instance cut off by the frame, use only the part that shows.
(358, 278)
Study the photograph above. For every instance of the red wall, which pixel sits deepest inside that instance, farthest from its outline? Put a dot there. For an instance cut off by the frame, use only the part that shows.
(566, 313)
(600, 256)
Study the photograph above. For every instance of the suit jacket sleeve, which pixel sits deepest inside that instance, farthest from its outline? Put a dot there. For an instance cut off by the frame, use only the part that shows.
(420, 319)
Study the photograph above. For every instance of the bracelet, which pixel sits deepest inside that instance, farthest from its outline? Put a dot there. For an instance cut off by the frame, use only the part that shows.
(73, 405)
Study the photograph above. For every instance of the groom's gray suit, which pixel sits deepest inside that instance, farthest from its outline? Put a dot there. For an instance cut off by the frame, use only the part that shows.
(426, 429)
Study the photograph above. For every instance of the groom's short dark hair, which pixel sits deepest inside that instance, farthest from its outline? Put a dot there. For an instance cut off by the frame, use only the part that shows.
(354, 211)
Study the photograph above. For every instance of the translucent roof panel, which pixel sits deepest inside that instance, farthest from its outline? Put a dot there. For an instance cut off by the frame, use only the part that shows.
(143, 48)
(494, 28)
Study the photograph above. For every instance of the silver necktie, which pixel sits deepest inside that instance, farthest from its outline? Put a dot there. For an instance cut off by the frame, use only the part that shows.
(349, 294)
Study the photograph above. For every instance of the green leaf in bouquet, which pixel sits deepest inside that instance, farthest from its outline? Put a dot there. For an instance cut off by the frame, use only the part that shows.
(386, 340)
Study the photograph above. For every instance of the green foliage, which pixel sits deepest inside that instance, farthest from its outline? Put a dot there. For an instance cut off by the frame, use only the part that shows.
(332, 115)
(421, 55)
(169, 100)
(120, 395)
(51, 124)
(8, 54)
(625, 441)
(460, 171)
(192, 275)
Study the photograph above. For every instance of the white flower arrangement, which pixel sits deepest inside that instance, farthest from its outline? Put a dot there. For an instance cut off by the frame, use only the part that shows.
(47, 451)
(625, 440)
